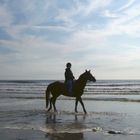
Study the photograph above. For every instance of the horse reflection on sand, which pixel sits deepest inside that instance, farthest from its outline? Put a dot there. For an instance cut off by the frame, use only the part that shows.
(72, 129)
(65, 136)
(58, 88)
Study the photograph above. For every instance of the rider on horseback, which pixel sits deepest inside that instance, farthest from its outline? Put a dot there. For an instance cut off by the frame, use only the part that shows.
(69, 78)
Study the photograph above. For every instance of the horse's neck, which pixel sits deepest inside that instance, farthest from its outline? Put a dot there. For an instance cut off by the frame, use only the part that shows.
(81, 82)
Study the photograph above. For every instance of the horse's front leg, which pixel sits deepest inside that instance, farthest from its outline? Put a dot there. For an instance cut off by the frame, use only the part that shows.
(76, 103)
(80, 99)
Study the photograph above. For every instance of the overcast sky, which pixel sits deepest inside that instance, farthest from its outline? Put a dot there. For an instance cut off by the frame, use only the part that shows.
(38, 37)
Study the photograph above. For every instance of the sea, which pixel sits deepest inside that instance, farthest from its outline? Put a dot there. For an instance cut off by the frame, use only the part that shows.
(113, 108)
(115, 90)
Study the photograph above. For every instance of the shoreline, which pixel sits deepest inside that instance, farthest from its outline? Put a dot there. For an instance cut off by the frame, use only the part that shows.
(29, 120)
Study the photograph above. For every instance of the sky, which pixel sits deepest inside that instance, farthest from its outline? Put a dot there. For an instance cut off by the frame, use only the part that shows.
(38, 38)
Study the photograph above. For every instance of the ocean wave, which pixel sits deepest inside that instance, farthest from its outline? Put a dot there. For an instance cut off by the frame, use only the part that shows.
(105, 99)
(33, 89)
(42, 97)
(26, 81)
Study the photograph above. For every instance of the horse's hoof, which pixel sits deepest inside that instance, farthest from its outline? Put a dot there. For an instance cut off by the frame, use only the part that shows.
(49, 110)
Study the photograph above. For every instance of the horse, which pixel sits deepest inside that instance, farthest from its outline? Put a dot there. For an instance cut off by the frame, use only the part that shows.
(59, 88)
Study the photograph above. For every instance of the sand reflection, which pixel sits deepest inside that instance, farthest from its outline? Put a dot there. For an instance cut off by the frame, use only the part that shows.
(63, 127)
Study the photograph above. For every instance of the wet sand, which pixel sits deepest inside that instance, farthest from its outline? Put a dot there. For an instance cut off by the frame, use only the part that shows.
(28, 120)
(13, 134)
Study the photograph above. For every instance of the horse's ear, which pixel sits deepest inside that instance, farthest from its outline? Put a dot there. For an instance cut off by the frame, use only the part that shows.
(86, 71)
(89, 71)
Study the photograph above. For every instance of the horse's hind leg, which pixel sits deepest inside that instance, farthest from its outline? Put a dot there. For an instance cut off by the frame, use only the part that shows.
(53, 102)
(50, 104)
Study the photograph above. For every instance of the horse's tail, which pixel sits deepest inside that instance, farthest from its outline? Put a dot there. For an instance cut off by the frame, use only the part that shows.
(47, 95)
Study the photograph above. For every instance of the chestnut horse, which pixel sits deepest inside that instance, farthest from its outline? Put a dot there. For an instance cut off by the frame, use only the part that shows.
(58, 88)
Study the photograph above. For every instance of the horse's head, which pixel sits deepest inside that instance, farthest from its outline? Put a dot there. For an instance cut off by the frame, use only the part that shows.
(88, 76)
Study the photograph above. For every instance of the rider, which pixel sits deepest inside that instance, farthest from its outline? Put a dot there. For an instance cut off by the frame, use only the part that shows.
(69, 78)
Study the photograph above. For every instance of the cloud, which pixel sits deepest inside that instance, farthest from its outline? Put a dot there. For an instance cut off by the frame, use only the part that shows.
(80, 9)
(39, 37)
(127, 5)
(126, 22)
(6, 17)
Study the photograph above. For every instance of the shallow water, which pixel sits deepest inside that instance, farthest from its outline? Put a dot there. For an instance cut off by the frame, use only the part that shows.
(102, 117)
(22, 107)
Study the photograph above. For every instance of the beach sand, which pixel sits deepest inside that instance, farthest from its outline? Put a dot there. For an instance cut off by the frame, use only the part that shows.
(28, 120)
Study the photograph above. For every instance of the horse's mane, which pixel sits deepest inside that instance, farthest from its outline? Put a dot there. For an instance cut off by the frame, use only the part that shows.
(81, 76)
